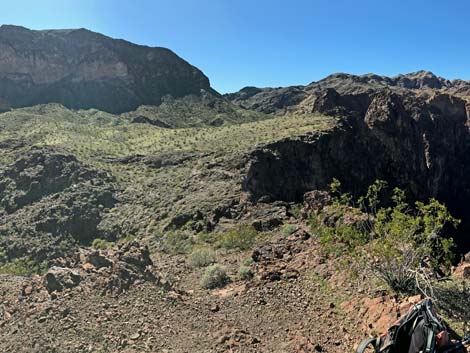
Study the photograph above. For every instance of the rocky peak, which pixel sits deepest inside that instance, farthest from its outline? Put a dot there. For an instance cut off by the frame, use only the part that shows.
(420, 79)
(83, 69)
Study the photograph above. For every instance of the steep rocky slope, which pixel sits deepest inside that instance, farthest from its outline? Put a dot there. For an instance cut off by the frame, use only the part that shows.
(420, 145)
(82, 69)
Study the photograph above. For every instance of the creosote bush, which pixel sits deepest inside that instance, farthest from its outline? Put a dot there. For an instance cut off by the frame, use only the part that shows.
(201, 257)
(101, 244)
(245, 273)
(242, 238)
(214, 276)
(177, 242)
(288, 229)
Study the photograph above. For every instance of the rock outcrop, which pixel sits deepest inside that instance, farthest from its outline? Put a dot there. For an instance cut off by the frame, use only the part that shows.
(49, 202)
(110, 271)
(41, 172)
(421, 145)
(82, 69)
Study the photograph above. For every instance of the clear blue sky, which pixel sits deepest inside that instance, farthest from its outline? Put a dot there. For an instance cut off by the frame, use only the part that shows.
(271, 42)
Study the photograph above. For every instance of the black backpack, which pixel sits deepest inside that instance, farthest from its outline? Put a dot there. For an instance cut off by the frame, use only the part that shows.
(419, 327)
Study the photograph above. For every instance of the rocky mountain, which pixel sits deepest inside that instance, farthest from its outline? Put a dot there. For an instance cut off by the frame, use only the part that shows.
(82, 69)
(169, 218)
(302, 98)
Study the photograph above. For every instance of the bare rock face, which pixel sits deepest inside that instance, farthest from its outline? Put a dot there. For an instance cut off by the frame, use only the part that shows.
(82, 69)
(269, 100)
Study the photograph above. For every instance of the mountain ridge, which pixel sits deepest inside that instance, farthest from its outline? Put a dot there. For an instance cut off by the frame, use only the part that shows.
(82, 69)
(299, 98)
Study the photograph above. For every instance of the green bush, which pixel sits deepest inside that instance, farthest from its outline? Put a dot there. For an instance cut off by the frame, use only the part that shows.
(407, 238)
(341, 229)
(399, 240)
(214, 276)
(125, 240)
(242, 238)
(201, 257)
(245, 273)
(248, 261)
(23, 266)
(177, 243)
(101, 244)
(288, 229)
(295, 211)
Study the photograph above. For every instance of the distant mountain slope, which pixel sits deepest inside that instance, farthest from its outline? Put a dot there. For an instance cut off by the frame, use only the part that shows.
(302, 98)
(82, 69)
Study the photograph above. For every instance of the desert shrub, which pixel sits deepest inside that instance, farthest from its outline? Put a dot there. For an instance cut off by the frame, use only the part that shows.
(288, 229)
(177, 243)
(340, 229)
(242, 238)
(101, 244)
(214, 276)
(125, 240)
(409, 240)
(23, 266)
(295, 211)
(201, 257)
(398, 240)
(3, 255)
(248, 261)
(207, 237)
(451, 297)
(245, 273)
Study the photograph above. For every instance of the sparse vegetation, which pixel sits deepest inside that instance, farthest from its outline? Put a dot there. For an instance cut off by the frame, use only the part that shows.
(245, 273)
(288, 229)
(248, 261)
(23, 266)
(101, 244)
(214, 276)
(178, 242)
(91, 133)
(201, 257)
(241, 238)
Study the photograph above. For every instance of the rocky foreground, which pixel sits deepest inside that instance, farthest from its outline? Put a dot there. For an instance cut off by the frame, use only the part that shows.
(122, 300)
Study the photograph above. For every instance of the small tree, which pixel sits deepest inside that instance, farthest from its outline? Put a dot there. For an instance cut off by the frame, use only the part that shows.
(400, 239)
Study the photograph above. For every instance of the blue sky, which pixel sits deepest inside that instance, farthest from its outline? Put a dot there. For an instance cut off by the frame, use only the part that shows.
(275, 43)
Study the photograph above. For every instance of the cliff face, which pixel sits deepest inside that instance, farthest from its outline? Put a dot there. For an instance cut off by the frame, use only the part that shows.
(83, 69)
(421, 145)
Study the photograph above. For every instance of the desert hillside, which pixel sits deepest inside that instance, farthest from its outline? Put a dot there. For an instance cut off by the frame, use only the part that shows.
(142, 211)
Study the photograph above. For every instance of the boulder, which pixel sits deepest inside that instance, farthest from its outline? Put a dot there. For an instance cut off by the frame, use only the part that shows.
(315, 201)
(58, 278)
(98, 260)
